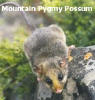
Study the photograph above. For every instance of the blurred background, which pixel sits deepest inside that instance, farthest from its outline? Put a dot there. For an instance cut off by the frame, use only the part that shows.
(16, 78)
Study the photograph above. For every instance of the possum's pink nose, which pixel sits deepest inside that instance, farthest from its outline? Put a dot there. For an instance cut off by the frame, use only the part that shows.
(59, 91)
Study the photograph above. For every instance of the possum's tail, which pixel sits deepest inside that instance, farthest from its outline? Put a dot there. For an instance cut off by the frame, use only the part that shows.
(30, 26)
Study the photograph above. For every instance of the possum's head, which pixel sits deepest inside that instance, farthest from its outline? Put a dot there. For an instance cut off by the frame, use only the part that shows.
(54, 74)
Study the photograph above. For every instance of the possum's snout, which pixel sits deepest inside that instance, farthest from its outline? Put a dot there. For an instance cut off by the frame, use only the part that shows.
(54, 79)
(58, 91)
(57, 87)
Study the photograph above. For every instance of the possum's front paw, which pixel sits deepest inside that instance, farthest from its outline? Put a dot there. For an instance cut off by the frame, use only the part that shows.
(72, 47)
(70, 58)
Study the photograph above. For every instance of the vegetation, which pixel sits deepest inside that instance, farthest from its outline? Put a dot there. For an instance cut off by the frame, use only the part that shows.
(14, 67)
(78, 26)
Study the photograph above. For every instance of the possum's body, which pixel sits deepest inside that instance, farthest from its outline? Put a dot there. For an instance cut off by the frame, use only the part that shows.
(45, 48)
(45, 43)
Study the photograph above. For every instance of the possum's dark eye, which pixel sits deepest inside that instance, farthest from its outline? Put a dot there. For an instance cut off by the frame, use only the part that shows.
(60, 76)
(48, 80)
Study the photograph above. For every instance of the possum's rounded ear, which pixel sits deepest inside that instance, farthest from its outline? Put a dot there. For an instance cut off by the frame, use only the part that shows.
(63, 63)
(40, 69)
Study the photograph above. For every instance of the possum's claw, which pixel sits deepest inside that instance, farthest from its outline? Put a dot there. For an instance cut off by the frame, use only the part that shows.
(72, 47)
